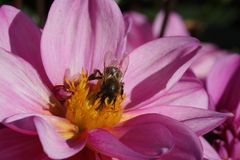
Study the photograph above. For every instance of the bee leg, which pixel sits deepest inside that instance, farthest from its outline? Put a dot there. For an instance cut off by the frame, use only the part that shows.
(100, 107)
(114, 100)
(122, 89)
(95, 75)
(100, 95)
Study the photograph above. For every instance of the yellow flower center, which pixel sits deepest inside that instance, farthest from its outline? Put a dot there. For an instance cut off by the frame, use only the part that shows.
(88, 111)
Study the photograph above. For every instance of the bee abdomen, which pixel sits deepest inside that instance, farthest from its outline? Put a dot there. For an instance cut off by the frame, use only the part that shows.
(110, 87)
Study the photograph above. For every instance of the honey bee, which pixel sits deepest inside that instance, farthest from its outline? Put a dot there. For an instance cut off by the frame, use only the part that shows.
(111, 84)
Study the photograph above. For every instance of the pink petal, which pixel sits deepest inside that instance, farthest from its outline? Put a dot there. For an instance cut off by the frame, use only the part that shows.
(18, 146)
(85, 154)
(189, 91)
(104, 142)
(20, 36)
(88, 30)
(24, 123)
(159, 141)
(186, 143)
(1, 126)
(140, 32)
(229, 135)
(237, 117)
(223, 83)
(208, 151)
(21, 89)
(163, 63)
(235, 148)
(175, 25)
(201, 121)
(103, 157)
(206, 58)
(54, 145)
(121, 50)
(223, 152)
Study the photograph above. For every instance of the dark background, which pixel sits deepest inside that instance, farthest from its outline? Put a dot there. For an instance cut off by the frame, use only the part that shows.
(216, 21)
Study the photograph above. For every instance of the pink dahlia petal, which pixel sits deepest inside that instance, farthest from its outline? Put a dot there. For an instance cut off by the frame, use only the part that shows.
(54, 144)
(88, 31)
(223, 151)
(175, 25)
(140, 32)
(209, 152)
(152, 139)
(121, 52)
(201, 121)
(189, 91)
(167, 58)
(186, 143)
(206, 58)
(88, 154)
(237, 117)
(103, 157)
(24, 123)
(20, 36)
(223, 82)
(204, 121)
(21, 89)
(18, 146)
(104, 142)
(235, 148)
(1, 126)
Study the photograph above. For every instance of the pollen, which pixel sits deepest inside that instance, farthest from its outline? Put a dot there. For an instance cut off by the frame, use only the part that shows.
(86, 110)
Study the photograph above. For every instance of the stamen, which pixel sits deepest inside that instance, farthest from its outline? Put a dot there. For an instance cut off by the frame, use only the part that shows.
(82, 108)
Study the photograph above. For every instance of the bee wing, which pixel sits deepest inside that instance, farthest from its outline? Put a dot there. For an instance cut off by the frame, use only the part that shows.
(124, 64)
(121, 63)
(110, 60)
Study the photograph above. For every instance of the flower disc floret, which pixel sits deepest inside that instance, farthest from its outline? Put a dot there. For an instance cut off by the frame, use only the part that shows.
(82, 108)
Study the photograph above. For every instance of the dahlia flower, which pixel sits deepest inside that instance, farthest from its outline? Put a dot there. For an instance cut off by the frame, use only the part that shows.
(223, 85)
(51, 109)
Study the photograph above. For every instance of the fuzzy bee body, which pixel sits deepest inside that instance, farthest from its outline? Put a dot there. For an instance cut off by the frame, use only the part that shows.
(111, 80)
(111, 84)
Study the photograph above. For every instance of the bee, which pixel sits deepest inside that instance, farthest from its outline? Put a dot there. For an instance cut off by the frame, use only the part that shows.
(111, 84)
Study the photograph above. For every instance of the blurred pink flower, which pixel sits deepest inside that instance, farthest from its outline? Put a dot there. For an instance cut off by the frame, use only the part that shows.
(143, 31)
(76, 36)
(223, 85)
